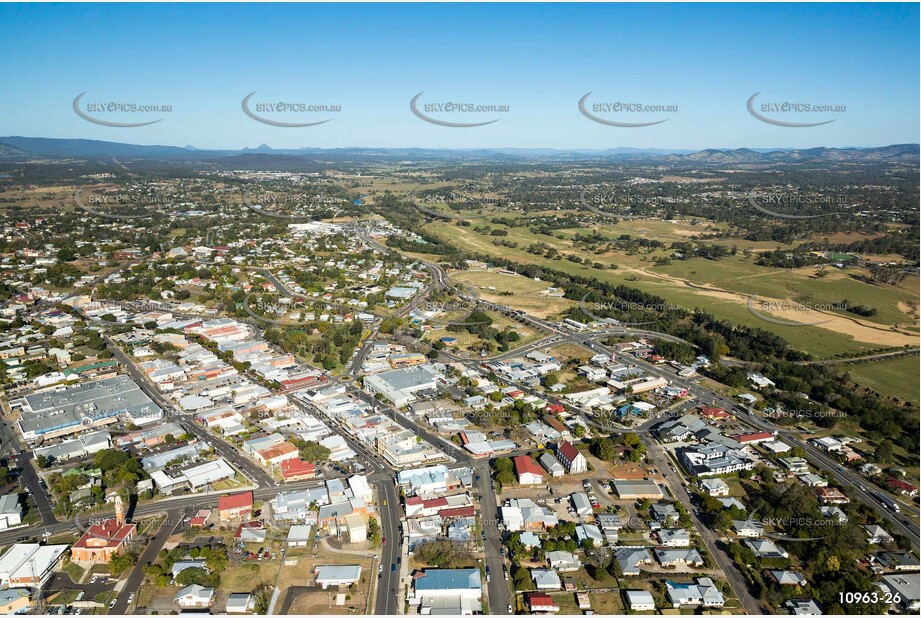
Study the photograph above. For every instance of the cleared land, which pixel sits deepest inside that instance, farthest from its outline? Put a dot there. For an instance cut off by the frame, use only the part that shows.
(897, 377)
(724, 287)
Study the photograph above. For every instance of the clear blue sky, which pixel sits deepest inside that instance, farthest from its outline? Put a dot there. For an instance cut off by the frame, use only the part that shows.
(539, 59)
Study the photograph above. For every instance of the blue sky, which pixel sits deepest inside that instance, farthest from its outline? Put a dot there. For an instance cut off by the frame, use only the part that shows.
(538, 59)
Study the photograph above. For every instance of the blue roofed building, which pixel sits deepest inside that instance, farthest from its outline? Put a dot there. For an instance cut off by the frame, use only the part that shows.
(447, 591)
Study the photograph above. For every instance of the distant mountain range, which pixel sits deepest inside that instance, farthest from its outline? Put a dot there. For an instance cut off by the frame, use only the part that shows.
(17, 148)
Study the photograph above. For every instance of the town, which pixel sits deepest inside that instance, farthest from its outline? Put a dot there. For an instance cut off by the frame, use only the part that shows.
(265, 416)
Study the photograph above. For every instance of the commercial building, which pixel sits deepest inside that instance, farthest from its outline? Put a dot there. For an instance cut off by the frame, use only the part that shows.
(639, 600)
(76, 408)
(637, 490)
(401, 385)
(528, 472)
(451, 591)
(235, 506)
(29, 565)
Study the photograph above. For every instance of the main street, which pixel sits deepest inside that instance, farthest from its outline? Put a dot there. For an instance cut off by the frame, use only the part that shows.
(246, 466)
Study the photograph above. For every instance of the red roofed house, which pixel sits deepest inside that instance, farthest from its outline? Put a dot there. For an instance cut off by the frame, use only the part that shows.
(277, 454)
(417, 507)
(101, 541)
(902, 487)
(540, 603)
(296, 469)
(460, 511)
(200, 519)
(555, 408)
(714, 412)
(235, 505)
(830, 495)
(529, 473)
(557, 425)
(755, 438)
(571, 458)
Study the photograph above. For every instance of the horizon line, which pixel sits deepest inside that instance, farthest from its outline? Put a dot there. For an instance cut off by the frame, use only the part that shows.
(191, 147)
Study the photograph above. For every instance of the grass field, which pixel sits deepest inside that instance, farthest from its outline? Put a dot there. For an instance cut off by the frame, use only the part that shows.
(897, 377)
(525, 293)
(724, 287)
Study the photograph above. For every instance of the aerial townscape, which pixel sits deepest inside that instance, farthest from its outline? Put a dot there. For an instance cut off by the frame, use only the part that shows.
(456, 381)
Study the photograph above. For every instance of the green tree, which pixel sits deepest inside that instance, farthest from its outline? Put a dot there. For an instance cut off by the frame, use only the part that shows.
(119, 563)
(374, 532)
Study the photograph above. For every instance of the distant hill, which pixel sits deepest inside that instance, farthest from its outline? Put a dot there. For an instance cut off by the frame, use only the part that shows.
(22, 148)
(896, 152)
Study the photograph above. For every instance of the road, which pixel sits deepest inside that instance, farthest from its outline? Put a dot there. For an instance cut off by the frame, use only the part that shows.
(28, 477)
(497, 586)
(136, 577)
(245, 465)
(839, 473)
(680, 492)
(388, 596)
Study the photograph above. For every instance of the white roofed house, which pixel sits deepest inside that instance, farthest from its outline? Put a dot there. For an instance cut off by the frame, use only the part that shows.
(877, 535)
(764, 548)
(678, 557)
(546, 579)
(241, 603)
(702, 593)
(640, 600)
(346, 575)
(714, 487)
(563, 561)
(674, 537)
(194, 597)
(748, 528)
(10, 511)
(631, 558)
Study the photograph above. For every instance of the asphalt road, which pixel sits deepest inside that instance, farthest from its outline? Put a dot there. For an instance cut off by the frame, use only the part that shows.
(679, 490)
(249, 468)
(389, 595)
(497, 586)
(136, 577)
